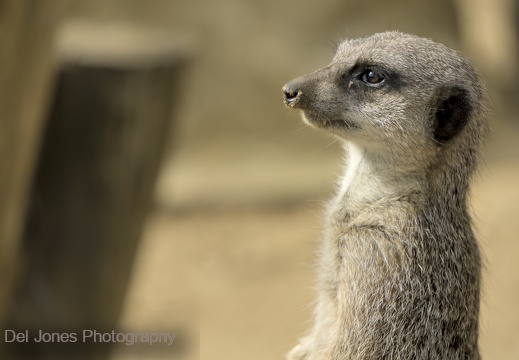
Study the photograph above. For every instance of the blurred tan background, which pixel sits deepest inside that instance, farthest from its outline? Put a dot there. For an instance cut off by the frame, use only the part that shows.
(227, 249)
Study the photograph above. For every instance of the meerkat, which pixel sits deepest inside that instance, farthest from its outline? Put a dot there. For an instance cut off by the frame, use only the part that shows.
(399, 265)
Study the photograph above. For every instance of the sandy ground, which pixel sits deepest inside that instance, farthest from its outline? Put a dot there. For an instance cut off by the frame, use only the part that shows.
(243, 278)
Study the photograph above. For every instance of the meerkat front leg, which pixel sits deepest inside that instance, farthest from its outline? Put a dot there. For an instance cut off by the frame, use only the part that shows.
(325, 328)
(301, 350)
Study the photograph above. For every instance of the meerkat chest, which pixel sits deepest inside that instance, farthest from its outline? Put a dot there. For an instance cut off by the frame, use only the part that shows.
(366, 180)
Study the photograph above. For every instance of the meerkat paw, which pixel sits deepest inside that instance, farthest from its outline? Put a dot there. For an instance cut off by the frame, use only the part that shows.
(300, 351)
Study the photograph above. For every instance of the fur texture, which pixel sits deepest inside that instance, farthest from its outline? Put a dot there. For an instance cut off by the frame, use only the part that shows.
(399, 273)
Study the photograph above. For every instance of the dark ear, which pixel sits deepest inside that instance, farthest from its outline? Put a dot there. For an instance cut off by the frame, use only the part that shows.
(451, 112)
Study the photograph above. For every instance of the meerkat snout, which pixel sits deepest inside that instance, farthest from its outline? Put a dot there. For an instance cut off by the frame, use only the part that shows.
(301, 93)
(291, 95)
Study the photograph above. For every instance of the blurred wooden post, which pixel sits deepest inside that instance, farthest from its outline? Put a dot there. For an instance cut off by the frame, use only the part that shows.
(26, 34)
(94, 183)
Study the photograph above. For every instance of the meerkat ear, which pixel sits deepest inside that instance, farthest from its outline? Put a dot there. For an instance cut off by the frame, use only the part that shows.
(451, 112)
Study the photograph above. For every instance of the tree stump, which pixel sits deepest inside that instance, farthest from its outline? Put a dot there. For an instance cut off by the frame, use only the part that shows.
(93, 188)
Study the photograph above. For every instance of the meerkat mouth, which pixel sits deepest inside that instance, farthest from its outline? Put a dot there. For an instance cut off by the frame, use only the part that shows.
(324, 122)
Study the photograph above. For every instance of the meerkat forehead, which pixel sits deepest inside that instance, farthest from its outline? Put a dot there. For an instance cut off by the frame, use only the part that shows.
(415, 59)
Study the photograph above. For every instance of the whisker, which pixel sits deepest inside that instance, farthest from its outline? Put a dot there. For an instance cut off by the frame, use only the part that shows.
(322, 148)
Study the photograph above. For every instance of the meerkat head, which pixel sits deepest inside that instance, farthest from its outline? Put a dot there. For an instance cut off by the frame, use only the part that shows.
(393, 92)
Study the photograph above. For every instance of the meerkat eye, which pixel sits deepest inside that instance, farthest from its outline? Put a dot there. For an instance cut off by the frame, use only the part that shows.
(371, 77)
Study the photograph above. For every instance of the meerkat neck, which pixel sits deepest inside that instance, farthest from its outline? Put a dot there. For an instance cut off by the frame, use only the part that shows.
(373, 176)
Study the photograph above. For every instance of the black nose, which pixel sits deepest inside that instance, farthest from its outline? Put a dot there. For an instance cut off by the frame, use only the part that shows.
(292, 94)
